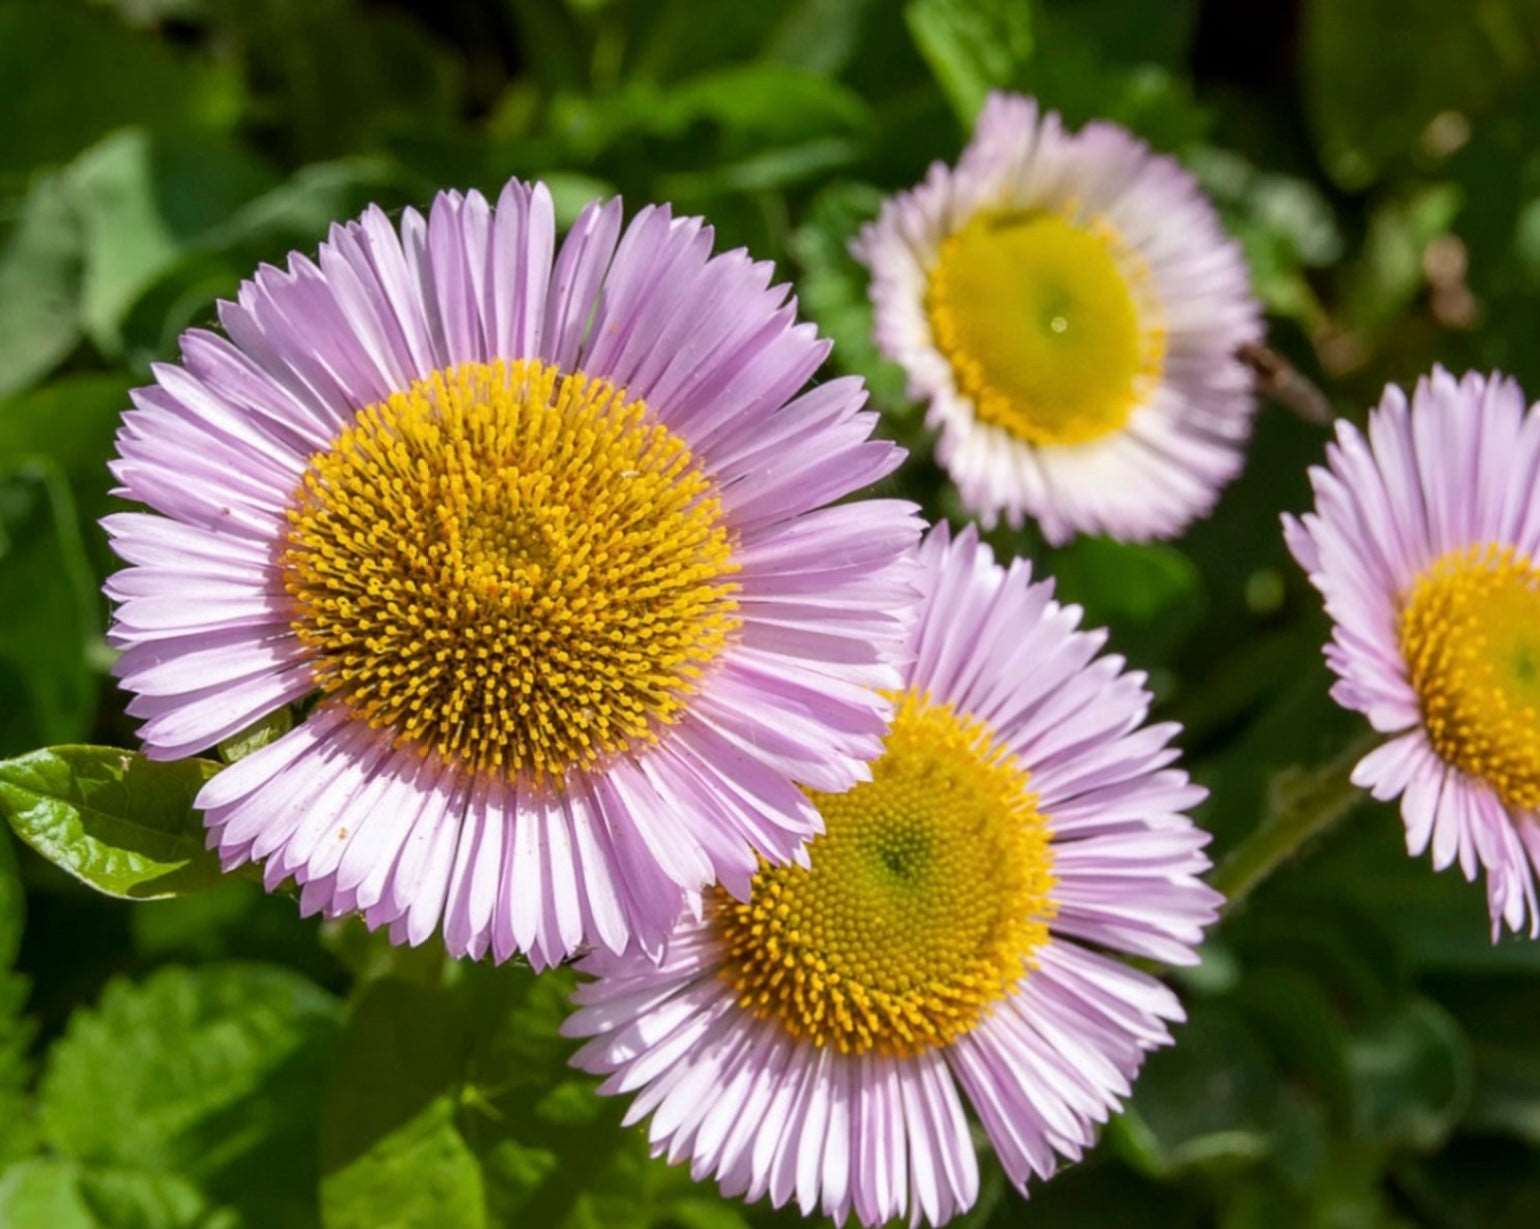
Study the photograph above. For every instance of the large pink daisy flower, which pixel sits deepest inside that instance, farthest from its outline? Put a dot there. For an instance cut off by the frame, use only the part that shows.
(1425, 541)
(548, 530)
(952, 938)
(1070, 308)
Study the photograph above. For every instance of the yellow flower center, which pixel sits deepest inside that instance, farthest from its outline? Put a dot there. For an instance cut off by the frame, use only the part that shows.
(1039, 320)
(926, 897)
(1470, 634)
(510, 567)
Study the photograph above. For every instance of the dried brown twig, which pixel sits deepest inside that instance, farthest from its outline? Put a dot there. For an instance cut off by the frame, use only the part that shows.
(1286, 384)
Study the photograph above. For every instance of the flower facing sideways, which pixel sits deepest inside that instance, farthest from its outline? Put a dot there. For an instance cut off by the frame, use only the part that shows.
(1070, 309)
(952, 938)
(1425, 542)
(548, 532)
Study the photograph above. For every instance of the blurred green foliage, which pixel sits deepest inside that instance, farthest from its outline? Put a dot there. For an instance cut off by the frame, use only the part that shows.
(1358, 1053)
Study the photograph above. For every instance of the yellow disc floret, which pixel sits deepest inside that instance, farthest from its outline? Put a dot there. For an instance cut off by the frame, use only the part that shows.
(1470, 634)
(1041, 323)
(926, 897)
(513, 568)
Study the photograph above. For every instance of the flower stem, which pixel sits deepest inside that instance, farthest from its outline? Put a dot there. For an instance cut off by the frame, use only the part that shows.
(1286, 384)
(1304, 803)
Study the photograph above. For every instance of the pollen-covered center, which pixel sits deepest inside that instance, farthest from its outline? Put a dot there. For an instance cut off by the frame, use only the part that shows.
(511, 567)
(924, 902)
(1470, 634)
(1042, 324)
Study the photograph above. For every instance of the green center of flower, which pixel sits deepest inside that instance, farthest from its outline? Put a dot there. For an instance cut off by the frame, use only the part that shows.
(924, 902)
(1042, 326)
(1470, 635)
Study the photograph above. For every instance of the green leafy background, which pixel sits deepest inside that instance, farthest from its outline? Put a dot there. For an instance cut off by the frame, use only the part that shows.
(178, 1049)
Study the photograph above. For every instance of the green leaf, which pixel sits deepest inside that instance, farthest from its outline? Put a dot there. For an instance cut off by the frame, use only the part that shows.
(421, 1172)
(769, 102)
(262, 732)
(61, 1194)
(339, 76)
(141, 201)
(212, 1073)
(1387, 275)
(13, 903)
(1369, 110)
(41, 268)
(51, 618)
(70, 421)
(392, 1151)
(832, 285)
(771, 170)
(1498, 1016)
(1437, 920)
(1411, 1075)
(18, 1128)
(458, 1097)
(294, 215)
(301, 209)
(1149, 594)
(234, 920)
(1477, 1182)
(824, 36)
(1284, 224)
(572, 192)
(121, 823)
(1215, 1097)
(1086, 76)
(149, 13)
(1292, 1011)
(1124, 31)
(972, 46)
(66, 83)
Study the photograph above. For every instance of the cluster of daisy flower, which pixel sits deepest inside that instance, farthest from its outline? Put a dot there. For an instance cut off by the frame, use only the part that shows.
(846, 824)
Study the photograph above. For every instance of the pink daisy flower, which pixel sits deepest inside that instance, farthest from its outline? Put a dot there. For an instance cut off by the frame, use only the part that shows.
(1425, 542)
(548, 529)
(1070, 308)
(950, 941)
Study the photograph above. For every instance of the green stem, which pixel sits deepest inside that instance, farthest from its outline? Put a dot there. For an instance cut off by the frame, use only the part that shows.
(1304, 804)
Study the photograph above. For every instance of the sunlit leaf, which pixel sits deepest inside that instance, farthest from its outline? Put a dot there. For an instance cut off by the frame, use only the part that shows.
(212, 1073)
(458, 1096)
(67, 1195)
(121, 823)
(972, 46)
(1150, 594)
(141, 202)
(41, 268)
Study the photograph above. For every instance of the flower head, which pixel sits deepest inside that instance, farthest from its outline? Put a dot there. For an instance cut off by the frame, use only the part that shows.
(1425, 542)
(949, 939)
(1070, 308)
(548, 533)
